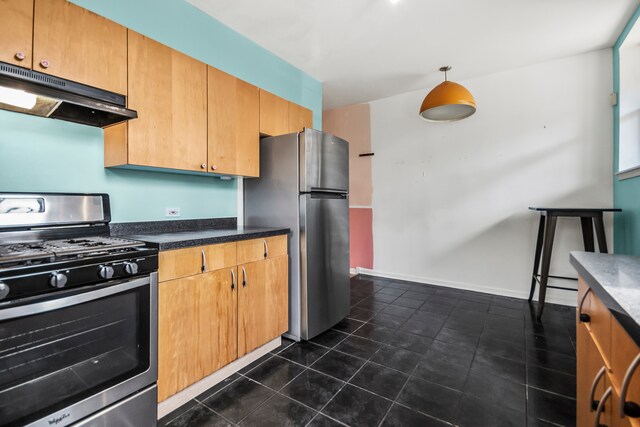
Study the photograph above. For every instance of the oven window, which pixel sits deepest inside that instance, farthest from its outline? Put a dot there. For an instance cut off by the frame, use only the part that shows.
(51, 360)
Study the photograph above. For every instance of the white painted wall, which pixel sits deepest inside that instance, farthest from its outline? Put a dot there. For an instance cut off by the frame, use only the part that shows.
(450, 199)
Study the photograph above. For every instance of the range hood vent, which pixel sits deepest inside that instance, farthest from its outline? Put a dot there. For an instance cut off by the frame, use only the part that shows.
(30, 92)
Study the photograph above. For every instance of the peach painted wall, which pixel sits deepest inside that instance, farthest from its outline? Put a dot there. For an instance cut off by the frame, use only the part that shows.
(353, 123)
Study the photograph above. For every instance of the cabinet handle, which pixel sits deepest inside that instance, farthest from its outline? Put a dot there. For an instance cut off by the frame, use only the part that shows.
(266, 249)
(600, 410)
(203, 166)
(233, 279)
(593, 404)
(244, 277)
(44, 63)
(584, 318)
(19, 56)
(630, 409)
(204, 261)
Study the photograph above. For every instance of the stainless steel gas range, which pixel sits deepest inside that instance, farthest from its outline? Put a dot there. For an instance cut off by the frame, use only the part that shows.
(78, 315)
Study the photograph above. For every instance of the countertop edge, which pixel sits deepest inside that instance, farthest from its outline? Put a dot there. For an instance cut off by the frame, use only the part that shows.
(618, 312)
(188, 243)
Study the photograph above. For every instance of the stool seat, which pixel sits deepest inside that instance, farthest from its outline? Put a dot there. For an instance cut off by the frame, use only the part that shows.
(544, 245)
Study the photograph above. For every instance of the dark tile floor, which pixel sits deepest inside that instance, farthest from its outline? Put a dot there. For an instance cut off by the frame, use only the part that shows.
(408, 355)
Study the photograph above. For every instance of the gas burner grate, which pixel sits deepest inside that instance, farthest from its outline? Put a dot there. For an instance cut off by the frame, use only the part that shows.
(31, 251)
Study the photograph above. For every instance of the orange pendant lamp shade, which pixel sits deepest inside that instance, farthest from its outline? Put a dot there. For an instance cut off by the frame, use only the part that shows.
(447, 102)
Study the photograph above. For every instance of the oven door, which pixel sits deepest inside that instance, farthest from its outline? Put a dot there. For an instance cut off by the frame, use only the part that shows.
(70, 354)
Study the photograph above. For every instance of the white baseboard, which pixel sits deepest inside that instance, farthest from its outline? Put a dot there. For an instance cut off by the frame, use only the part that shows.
(553, 296)
(194, 390)
(353, 271)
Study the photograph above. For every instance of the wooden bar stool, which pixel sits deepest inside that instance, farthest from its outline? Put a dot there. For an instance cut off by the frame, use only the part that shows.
(544, 246)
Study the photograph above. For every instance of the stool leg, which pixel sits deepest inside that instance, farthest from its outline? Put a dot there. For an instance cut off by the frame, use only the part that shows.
(587, 233)
(536, 259)
(549, 233)
(602, 240)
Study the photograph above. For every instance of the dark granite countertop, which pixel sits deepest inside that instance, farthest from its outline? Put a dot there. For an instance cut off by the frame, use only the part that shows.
(615, 279)
(185, 239)
(184, 233)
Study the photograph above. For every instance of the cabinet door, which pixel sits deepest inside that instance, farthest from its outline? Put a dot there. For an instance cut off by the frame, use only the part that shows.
(75, 44)
(217, 320)
(177, 335)
(623, 351)
(299, 118)
(274, 114)
(234, 125)
(253, 307)
(589, 364)
(169, 90)
(277, 289)
(16, 32)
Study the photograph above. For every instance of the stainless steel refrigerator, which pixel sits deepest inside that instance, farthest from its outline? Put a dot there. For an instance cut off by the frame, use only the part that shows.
(304, 185)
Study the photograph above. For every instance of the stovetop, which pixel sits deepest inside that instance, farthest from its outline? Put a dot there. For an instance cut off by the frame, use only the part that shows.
(55, 250)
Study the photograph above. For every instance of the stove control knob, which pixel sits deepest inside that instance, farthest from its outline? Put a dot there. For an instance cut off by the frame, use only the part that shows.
(131, 268)
(57, 280)
(4, 290)
(106, 272)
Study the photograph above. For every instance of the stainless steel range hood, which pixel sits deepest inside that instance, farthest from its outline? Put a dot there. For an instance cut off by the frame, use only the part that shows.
(30, 92)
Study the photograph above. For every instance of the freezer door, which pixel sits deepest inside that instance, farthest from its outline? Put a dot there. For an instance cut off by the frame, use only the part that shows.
(324, 263)
(324, 162)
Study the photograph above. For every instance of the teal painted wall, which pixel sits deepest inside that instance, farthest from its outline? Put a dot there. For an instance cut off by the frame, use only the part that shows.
(626, 193)
(38, 154)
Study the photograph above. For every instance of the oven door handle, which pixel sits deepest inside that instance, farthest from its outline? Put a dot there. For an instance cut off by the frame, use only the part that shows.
(55, 304)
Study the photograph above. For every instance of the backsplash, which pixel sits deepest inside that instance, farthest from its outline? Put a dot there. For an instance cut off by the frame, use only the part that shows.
(38, 154)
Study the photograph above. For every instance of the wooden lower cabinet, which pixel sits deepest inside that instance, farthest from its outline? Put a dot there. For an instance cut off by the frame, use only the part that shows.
(603, 342)
(262, 302)
(217, 299)
(209, 319)
(589, 370)
(177, 335)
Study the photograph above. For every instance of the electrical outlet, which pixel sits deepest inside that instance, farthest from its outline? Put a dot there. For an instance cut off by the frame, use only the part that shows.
(172, 212)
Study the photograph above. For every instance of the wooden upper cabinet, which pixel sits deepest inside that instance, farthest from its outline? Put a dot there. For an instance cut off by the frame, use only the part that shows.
(233, 124)
(299, 118)
(274, 114)
(16, 32)
(76, 44)
(169, 91)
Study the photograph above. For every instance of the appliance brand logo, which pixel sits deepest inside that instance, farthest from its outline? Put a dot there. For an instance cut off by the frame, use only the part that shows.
(57, 420)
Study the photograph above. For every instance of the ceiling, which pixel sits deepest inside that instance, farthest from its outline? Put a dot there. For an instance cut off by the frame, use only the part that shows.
(364, 50)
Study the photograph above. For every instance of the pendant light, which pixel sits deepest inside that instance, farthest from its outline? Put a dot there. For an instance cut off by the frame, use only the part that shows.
(447, 102)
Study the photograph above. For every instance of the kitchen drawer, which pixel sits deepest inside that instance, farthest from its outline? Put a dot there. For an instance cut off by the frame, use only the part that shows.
(589, 371)
(190, 261)
(259, 249)
(179, 263)
(222, 255)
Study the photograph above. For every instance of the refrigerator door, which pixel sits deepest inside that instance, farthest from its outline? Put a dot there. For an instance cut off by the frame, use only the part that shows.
(324, 162)
(324, 261)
